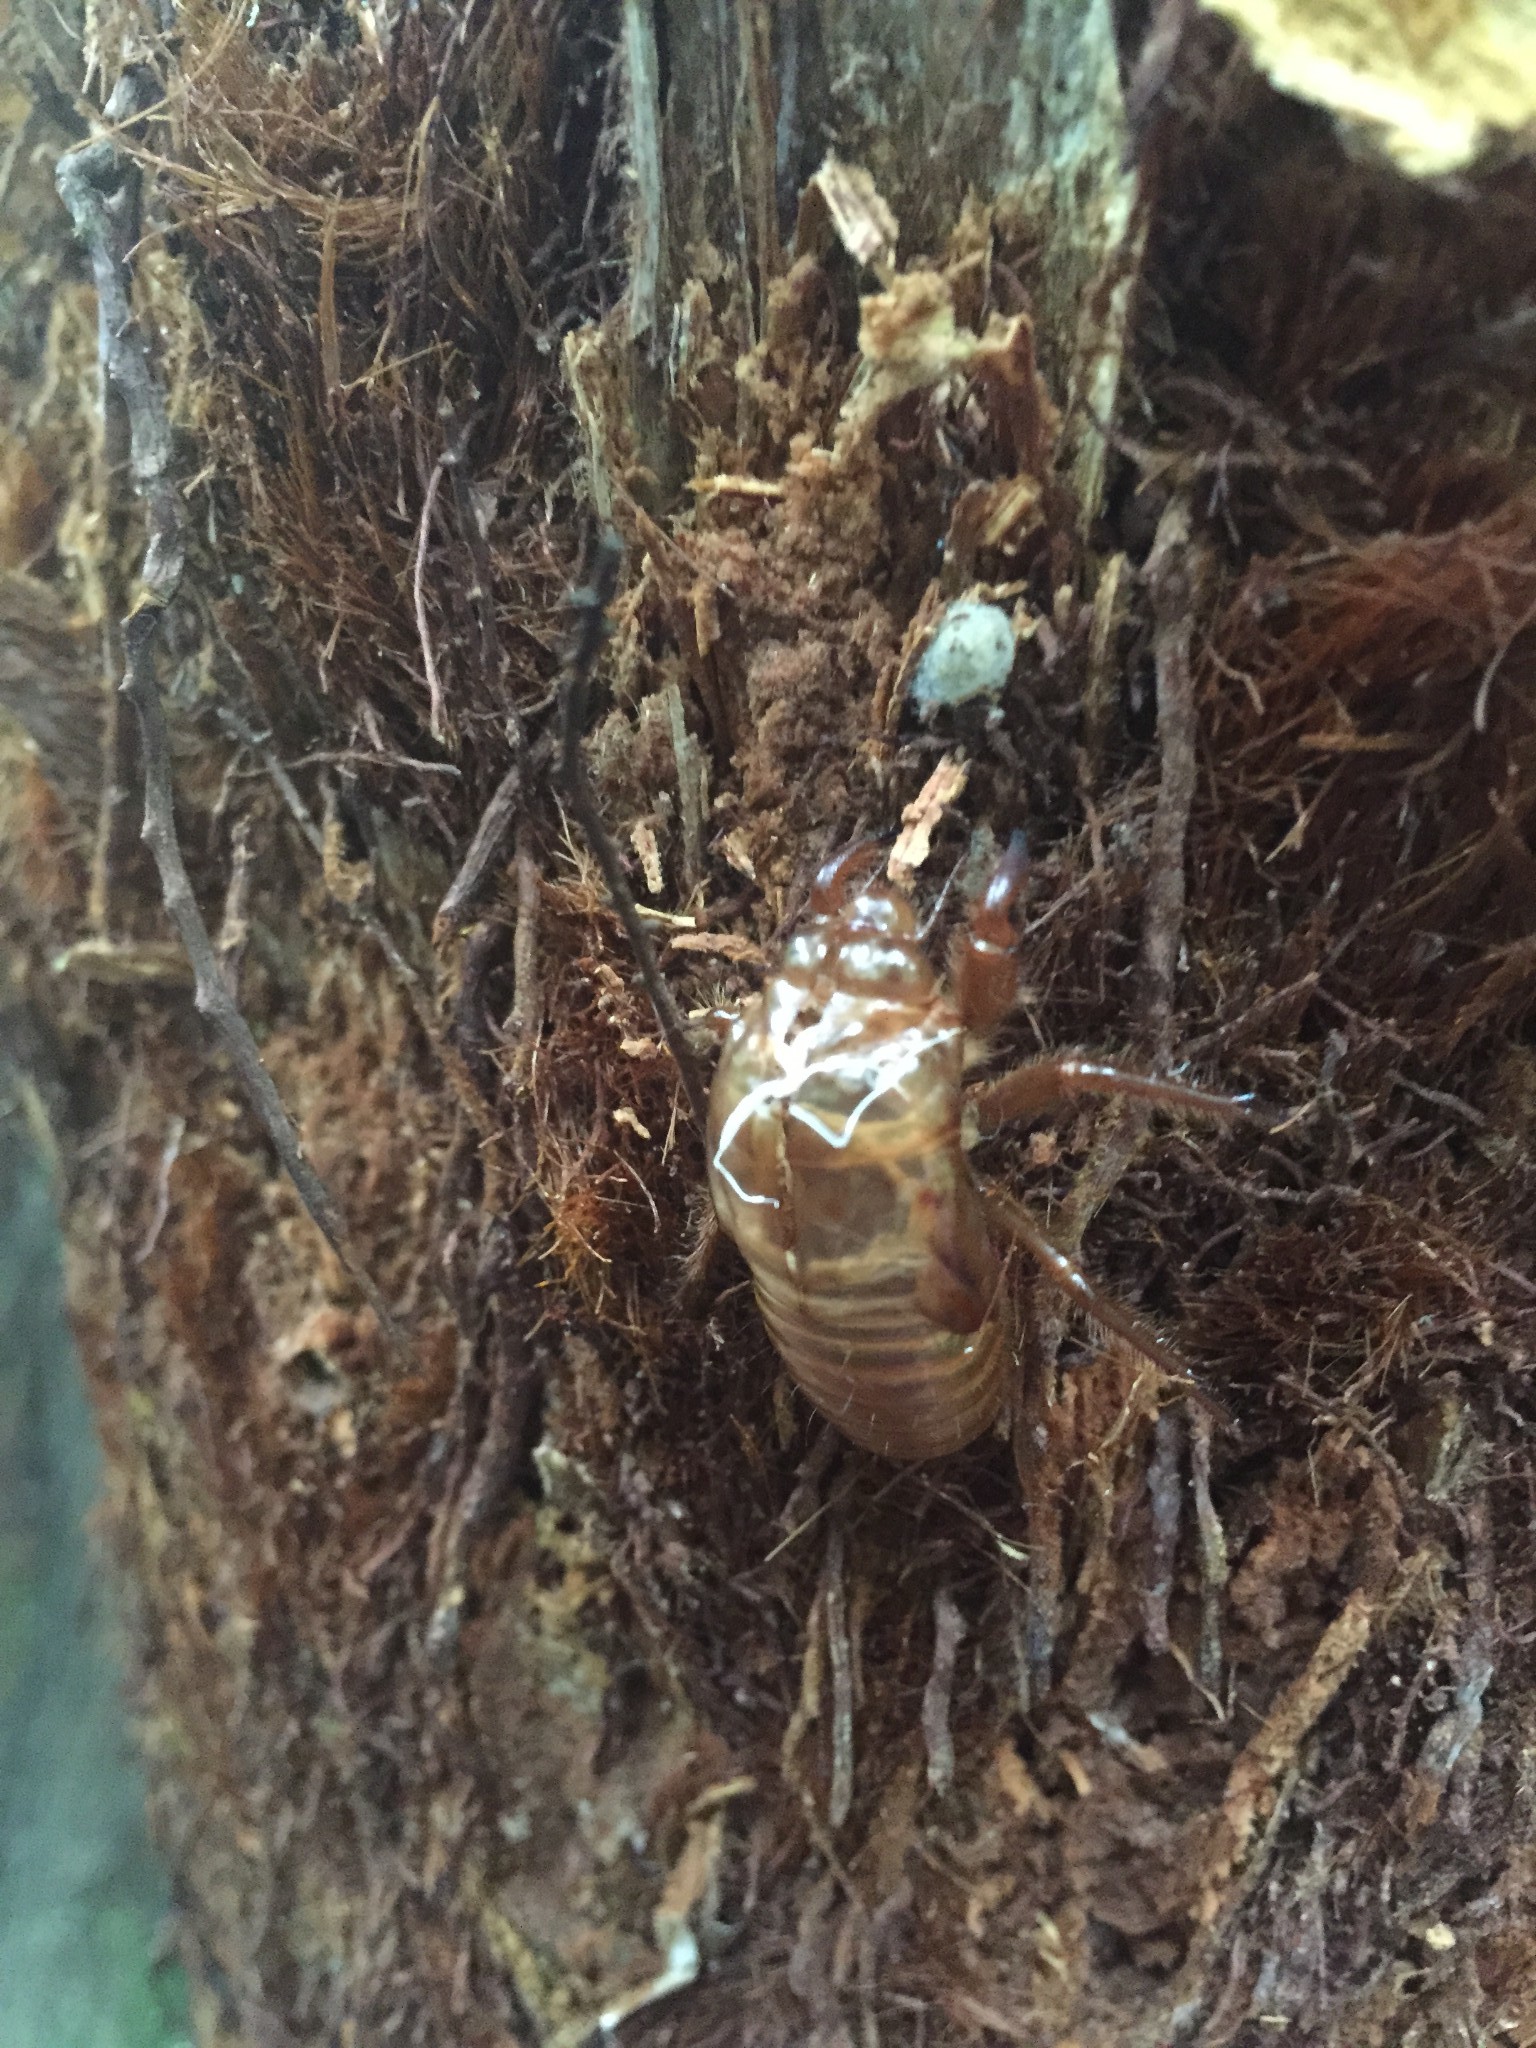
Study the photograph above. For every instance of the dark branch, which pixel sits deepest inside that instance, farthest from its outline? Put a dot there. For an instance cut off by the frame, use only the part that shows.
(210, 991)
(496, 822)
(99, 187)
(356, 913)
(484, 850)
(590, 604)
(1171, 574)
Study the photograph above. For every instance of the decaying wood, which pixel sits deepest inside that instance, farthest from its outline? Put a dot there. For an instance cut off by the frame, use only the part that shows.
(555, 1676)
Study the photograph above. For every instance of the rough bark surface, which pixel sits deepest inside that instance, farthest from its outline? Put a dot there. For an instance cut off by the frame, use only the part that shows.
(545, 1665)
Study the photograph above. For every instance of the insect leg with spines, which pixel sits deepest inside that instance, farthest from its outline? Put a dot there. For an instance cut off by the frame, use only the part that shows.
(984, 979)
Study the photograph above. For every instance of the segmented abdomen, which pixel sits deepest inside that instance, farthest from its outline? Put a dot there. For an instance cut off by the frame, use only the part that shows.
(836, 1165)
(890, 1379)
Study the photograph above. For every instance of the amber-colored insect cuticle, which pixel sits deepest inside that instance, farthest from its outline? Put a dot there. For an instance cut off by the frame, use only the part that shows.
(837, 1163)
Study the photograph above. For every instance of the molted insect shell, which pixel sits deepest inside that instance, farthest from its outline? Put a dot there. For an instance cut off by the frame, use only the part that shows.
(835, 1162)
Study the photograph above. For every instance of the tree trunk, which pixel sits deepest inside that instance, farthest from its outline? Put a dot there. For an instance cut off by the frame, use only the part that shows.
(522, 1658)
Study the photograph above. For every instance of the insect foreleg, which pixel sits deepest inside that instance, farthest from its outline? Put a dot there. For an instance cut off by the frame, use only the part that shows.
(983, 964)
(1066, 1274)
(836, 877)
(1042, 1083)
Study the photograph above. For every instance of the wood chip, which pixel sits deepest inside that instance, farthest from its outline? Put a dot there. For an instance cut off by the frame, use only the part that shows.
(861, 219)
(1255, 1781)
(1144, 1755)
(921, 818)
(736, 850)
(128, 965)
(948, 1633)
(689, 1879)
(721, 1795)
(1076, 1770)
(1018, 1785)
(726, 945)
(729, 485)
(643, 839)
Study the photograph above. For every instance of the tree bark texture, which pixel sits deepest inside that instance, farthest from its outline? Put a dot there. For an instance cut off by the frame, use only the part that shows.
(521, 1660)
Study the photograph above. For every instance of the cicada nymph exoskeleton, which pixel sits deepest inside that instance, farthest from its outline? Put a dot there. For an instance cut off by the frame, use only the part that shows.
(837, 1162)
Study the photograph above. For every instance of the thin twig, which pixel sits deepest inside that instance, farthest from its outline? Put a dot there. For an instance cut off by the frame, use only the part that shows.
(469, 1031)
(119, 759)
(484, 849)
(1016, 1612)
(452, 460)
(948, 1633)
(170, 1152)
(1214, 1568)
(514, 1380)
(840, 1657)
(1475, 1657)
(418, 595)
(100, 190)
(1170, 574)
(481, 593)
(356, 913)
(235, 927)
(589, 604)
(98, 186)
(343, 757)
(805, 1499)
(211, 994)
(521, 1029)
(523, 1018)
(1163, 1483)
(1034, 1440)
